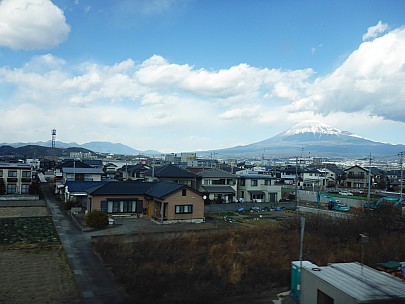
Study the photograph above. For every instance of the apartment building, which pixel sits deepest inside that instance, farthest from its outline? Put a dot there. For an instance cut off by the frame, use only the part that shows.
(17, 177)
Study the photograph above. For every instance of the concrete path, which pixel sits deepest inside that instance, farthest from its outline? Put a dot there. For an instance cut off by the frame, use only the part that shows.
(96, 283)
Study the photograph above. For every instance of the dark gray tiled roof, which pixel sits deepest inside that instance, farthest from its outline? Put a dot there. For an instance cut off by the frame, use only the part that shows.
(216, 173)
(219, 189)
(71, 164)
(154, 189)
(169, 171)
(83, 186)
(90, 170)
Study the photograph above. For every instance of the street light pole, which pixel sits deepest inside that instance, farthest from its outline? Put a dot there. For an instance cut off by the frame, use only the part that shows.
(401, 154)
(296, 182)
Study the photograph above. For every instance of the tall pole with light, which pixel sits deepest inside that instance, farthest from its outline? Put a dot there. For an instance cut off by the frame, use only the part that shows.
(401, 154)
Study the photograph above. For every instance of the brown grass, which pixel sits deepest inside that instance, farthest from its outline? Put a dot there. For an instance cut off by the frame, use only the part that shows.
(208, 268)
(36, 274)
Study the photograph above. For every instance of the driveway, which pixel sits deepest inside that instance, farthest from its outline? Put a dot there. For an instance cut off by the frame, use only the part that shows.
(95, 281)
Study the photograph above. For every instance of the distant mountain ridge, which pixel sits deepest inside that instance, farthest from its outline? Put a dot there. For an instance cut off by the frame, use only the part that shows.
(95, 146)
(316, 138)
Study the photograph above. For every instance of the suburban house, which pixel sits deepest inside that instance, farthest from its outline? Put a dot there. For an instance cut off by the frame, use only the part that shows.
(110, 170)
(95, 163)
(165, 202)
(257, 187)
(132, 172)
(68, 164)
(313, 178)
(16, 177)
(347, 283)
(171, 173)
(81, 174)
(217, 185)
(356, 177)
(288, 175)
(333, 174)
(76, 192)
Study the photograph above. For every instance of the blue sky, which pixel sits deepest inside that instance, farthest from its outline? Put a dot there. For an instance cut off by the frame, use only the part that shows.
(187, 75)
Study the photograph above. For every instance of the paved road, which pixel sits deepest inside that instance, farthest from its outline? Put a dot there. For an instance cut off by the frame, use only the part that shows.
(96, 283)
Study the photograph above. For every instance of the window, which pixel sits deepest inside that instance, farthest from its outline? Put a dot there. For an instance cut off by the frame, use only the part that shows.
(258, 196)
(323, 298)
(11, 188)
(116, 207)
(26, 174)
(242, 182)
(25, 188)
(121, 206)
(267, 182)
(88, 177)
(12, 173)
(183, 209)
(1, 173)
(104, 206)
(183, 192)
(254, 183)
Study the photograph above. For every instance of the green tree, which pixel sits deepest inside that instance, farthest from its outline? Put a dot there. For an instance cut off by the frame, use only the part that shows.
(2, 187)
(33, 189)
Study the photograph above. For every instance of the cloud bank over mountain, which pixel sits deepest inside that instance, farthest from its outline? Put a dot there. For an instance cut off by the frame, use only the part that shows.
(159, 104)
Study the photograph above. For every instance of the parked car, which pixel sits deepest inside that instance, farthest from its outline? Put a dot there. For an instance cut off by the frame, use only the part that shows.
(346, 193)
(255, 209)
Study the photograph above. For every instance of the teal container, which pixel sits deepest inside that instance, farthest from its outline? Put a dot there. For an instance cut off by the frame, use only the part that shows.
(295, 291)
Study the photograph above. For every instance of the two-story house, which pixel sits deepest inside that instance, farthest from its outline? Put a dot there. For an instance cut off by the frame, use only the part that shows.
(132, 172)
(67, 164)
(313, 178)
(356, 177)
(218, 186)
(110, 170)
(171, 173)
(257, 187)
(288, 175)
(81, 174)
(16, 177)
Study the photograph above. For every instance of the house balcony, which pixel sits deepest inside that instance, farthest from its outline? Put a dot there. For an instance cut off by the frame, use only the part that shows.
(356, 176)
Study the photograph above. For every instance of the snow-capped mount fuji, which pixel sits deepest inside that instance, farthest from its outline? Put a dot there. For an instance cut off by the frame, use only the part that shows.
(318, 139)
(317, 131)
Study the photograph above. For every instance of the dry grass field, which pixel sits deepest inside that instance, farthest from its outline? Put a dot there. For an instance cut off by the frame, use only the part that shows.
(36, 274)
(33, 265)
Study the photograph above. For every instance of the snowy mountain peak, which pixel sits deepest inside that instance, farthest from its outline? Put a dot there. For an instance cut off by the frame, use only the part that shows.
(315, 127)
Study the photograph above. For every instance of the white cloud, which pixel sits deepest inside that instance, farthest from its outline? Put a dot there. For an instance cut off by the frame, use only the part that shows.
(248, 112)
(371, 79)
(31, 24)
(173, 107)
(376, 30)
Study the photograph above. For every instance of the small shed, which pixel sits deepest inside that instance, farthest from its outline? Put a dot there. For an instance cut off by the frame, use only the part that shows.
(349, 283)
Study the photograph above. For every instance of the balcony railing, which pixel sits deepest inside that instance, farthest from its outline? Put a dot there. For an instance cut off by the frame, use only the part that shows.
(356, 176)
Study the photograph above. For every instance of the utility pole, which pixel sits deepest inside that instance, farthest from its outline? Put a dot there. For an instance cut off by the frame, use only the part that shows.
(296, 182)
(369, 184)
(401, 154)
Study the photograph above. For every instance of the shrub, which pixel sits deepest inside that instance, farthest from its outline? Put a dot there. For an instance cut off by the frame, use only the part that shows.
(33, 189)
(96, 219)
